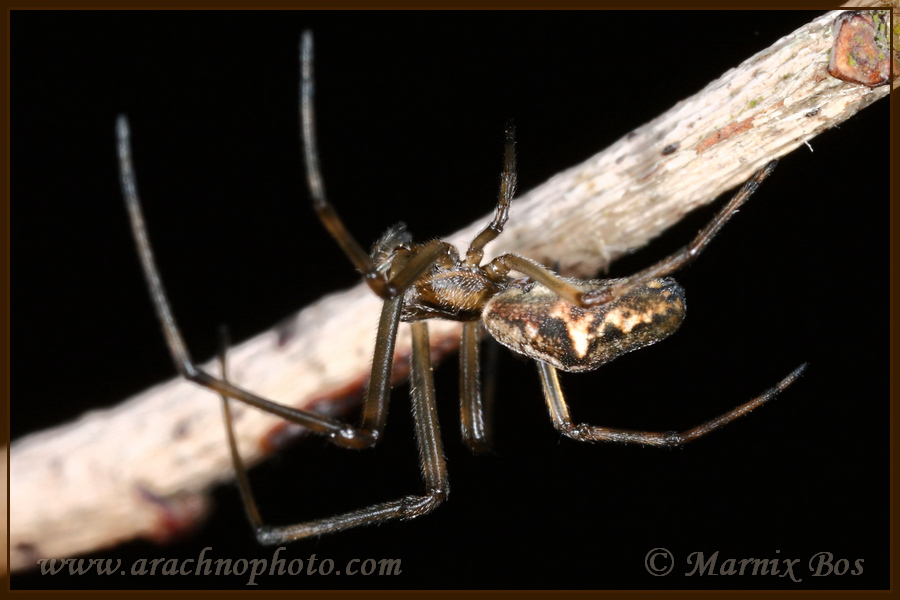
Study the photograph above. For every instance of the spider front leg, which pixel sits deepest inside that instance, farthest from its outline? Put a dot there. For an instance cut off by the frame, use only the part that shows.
(326, 212)
(386, 286)
(582, 432)
(431, 457)
(407, 267)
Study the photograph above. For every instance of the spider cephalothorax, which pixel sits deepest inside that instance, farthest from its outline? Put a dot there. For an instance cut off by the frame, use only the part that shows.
(450, 290)
(562, 323)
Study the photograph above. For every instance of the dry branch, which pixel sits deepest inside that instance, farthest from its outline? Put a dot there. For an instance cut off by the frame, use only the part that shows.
(144, 468)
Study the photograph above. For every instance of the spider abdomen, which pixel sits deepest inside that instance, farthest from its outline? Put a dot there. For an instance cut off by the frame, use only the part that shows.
(532, 320)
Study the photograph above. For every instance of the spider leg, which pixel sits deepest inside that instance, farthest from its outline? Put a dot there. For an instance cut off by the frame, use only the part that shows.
(406, 269)
(474, 430)
(324, 209)
(498, 268)
(688, 253)
(507, 190)
(559, 412)
(240, 470)
(503, 264)
(472, 420)
(491, 353)
(431, 458)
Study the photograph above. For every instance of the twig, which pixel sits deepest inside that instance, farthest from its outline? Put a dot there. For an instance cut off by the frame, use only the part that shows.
(144, 468)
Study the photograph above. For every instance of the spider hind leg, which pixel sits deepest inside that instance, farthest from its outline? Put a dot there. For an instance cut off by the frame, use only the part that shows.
(559, 413)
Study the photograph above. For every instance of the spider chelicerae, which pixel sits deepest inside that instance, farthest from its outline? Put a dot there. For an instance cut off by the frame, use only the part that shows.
(563, 323)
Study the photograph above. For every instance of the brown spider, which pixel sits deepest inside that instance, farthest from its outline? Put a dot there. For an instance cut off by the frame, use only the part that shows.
(563, 323)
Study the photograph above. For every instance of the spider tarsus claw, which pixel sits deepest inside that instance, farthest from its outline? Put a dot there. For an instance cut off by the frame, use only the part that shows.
(266, 536)
(791, 378)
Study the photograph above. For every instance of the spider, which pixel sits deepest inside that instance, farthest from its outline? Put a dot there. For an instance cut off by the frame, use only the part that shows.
(562, 323)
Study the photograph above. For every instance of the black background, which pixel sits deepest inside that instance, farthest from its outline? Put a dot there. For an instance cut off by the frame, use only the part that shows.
(411, 109)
